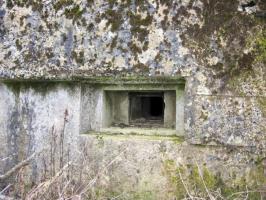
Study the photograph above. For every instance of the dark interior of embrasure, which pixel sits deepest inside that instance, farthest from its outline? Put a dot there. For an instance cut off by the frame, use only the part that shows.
(146, 109)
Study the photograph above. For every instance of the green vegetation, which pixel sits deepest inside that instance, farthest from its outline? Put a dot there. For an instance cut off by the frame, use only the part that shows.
(140, 67)
(177, 81)
(111, 2)
(71, 10)
(9, 4)
(242, 71)
(144, 195)
(73, 13)
(200, 182)
(90, 2)
(62, 3)
(79, 57)
(35, 4)
(175, 139)
(139, 25)
(18, 45)
(261, 47)
(115, 19)
(114, 43)
(262, 104)
(134, 49)
(49, 53)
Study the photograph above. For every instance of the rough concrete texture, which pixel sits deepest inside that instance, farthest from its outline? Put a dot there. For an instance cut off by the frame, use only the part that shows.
(218, 46)
(29, 114)
(46, 116)
(148, 168)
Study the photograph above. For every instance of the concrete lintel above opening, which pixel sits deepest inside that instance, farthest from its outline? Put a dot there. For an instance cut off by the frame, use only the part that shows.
(105, 80)
(134, 80)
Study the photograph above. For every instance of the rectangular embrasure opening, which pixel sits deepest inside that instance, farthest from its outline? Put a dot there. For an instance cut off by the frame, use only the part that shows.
(133, 108)
(147, 109)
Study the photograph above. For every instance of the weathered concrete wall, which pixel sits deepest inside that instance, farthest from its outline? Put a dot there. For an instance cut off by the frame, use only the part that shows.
(228, 120)
(36, 116)
(218, 46)
(148, 167)
(32, 114)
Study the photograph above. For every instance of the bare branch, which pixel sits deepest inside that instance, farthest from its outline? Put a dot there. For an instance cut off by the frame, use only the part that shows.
(18, 167)
(201, 177)
(181, 178)
(2, 192)
(99, 174)
(43, 187)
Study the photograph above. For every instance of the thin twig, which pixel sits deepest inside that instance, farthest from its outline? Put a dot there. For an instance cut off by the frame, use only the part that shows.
(116, 197)
(244, 192)
(4, 159)
(18, 166)
(43, 187)
(98, 175)
(2, 192)
(201, 177)
(182, 180)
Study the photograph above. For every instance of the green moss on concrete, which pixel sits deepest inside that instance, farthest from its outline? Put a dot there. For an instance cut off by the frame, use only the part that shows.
(114, 43)
(60, 4)
(9, 4)
(210, 180)
(262, 105)
(139, 25)
(112, 80)
(135, 49)
(257, 43)
(18, 44)
(118, 136)
(261, 47)
(36, 5)
(241, 69)
(49, 53)
(137, 20)
(73, 13)
(204, 116)
(141, 68)
(144, 195)
(90, 2)
(256, 176)
(199, 182)
(175, 182)
(79, 57)
(115, 19)
(236, 81)
(118, 80)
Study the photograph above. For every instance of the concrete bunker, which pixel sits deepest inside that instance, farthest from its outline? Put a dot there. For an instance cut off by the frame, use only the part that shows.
(149, 107)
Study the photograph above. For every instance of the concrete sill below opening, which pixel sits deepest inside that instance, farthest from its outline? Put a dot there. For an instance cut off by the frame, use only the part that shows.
(138, 131)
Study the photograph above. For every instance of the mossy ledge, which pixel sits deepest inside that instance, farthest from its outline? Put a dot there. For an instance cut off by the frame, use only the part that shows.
(113, 80)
